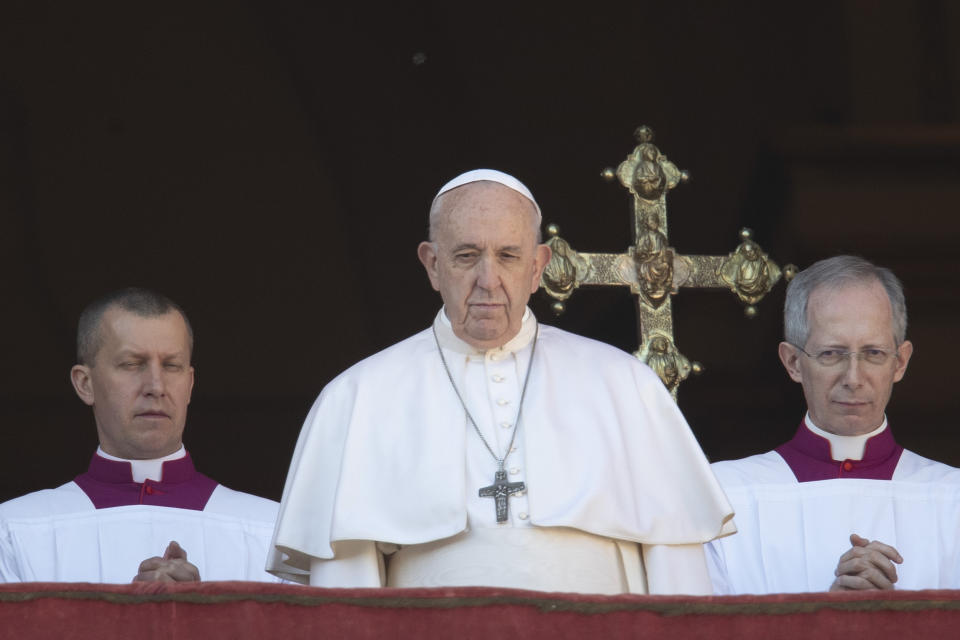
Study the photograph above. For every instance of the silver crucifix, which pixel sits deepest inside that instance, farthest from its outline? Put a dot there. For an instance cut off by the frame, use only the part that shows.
(500, 490)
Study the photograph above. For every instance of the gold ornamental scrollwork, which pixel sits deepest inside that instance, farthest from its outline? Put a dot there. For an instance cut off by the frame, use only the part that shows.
(665, 359)
(654, 262)
(748, 271)
(652, 269)
(646, 172)
(649, 175)
(563, 273)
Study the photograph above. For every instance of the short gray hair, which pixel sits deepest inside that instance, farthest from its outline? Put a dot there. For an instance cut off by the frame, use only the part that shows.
(834, 273)
(142, 302)
(450, 199)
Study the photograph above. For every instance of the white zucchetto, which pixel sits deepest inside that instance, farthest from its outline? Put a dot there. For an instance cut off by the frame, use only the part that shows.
(490, 175)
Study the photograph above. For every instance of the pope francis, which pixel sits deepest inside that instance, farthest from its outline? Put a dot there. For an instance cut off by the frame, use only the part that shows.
(491, 450)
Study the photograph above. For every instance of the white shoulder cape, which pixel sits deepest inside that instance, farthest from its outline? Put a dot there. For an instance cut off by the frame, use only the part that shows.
(792, 534)
(382, 454)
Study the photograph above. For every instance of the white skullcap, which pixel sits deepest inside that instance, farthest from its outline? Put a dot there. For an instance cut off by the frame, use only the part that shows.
(490, 175)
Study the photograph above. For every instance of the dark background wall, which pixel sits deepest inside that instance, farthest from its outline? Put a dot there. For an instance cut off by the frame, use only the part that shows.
(269, 165)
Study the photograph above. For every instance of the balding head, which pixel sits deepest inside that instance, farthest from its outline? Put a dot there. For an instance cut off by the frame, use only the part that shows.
(452, 200)
(445, 200)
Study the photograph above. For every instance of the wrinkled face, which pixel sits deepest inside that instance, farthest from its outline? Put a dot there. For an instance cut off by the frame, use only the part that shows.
(849, 398)
(139, 385)
(485, 261)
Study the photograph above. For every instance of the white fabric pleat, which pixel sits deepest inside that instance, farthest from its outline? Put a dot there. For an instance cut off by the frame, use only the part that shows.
(58, 536)
(791, 535)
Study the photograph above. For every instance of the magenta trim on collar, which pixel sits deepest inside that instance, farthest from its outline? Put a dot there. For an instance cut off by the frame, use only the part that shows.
(808, 456)
(109, 483)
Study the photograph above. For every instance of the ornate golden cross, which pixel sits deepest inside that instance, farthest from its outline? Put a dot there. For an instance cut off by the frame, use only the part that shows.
(652, 268)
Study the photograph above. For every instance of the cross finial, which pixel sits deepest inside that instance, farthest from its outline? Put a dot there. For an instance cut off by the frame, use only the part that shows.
(653, 269)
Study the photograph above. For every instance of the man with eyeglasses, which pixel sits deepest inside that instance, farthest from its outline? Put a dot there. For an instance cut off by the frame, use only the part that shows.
(841, 506)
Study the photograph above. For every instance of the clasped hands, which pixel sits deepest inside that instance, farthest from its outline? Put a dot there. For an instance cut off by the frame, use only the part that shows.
(172, 567)
(867, 565)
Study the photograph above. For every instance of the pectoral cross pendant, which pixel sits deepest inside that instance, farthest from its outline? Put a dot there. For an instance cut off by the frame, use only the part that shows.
(500, 490)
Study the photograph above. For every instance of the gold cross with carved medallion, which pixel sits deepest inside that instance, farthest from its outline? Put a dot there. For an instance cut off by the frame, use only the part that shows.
(653, 269)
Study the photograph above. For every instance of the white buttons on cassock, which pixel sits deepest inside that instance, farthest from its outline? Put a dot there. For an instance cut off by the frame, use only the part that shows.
(497, 377)
(503, 402)
(523, 515)
(505, 425)
(514, 471)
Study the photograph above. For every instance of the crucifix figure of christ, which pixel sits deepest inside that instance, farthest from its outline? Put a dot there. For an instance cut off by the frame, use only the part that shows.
(653, 269)
(500, 490)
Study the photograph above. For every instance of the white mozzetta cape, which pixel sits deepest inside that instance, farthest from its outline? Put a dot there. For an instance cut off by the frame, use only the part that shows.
(792, 534)
(57, 535)
(605, 450)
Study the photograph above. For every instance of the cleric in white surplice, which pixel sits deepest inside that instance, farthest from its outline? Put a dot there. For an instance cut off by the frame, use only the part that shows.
(141, 507)
(841, 506)
(490, 450)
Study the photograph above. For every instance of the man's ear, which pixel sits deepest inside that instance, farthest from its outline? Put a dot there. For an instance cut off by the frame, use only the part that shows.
(82, 382)
(427, 252)
(903, 359)
(542, 257)
(789, 356)
(193, 378)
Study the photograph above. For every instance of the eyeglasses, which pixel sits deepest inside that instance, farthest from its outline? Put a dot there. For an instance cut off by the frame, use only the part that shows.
(833, 357)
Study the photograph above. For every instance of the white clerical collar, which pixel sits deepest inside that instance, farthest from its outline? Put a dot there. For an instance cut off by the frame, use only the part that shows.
(143, 469)
(449, 340)
(845, 447)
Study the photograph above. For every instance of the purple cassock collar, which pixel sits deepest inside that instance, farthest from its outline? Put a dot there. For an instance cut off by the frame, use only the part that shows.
(809, 457)
(109, 483)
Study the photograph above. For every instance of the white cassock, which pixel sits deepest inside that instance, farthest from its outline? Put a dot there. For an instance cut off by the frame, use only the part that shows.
(387, 463)
(792, 533)
(59, 535)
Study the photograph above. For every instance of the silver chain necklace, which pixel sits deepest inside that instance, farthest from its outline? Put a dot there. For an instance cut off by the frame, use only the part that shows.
(500, 490)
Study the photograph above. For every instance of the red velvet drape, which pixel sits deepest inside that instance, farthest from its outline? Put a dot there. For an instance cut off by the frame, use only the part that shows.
(254, 610)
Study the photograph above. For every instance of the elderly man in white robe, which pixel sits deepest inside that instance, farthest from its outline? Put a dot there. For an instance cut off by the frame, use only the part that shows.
(841, 506)
(490, 450)
(141, 505)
